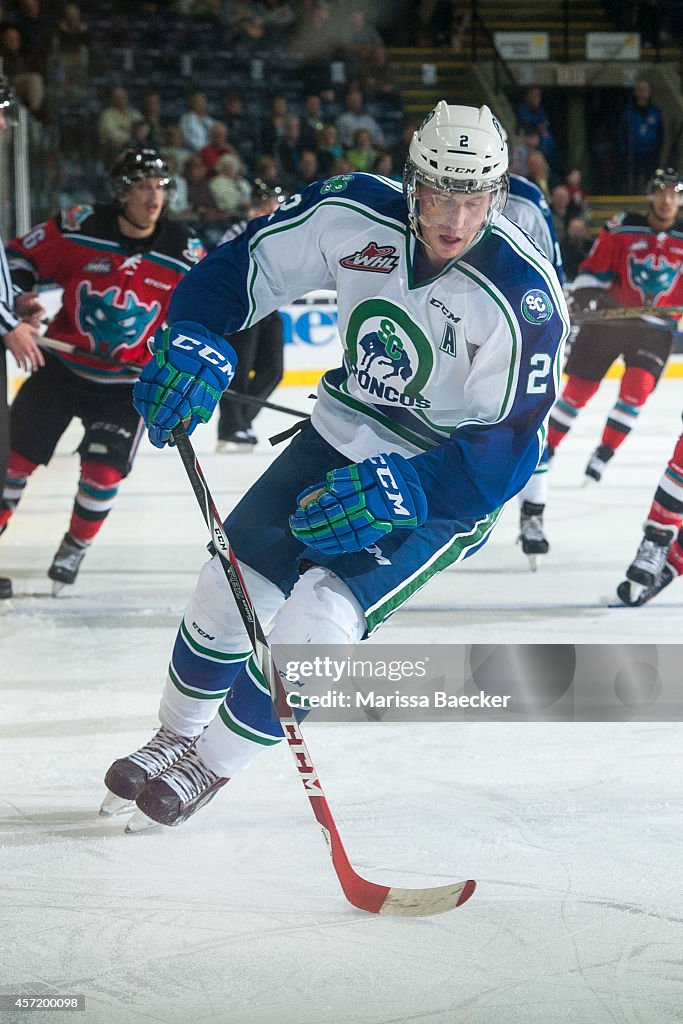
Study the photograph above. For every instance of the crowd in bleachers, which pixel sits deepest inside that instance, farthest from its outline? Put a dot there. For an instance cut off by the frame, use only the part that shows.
(288, 91)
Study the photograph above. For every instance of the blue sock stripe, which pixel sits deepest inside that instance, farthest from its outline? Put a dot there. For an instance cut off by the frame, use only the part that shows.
(249, 705)
(247, 733)
(98, 493)
(193, 691)
(626, 407)
(566, 407)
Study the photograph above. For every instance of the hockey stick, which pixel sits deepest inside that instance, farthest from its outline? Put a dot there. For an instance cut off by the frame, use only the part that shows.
(368, 896)
(663, 313)
(66, 347)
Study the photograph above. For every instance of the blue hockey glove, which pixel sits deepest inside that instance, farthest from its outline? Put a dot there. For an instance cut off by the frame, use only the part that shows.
(190, 370)
(358, 505)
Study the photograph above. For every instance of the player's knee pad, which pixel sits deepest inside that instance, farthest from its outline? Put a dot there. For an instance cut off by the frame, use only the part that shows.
(636, 385)
(320, 610)
(214, 611)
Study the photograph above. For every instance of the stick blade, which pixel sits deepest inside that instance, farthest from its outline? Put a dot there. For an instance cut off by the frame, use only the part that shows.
(425, 902)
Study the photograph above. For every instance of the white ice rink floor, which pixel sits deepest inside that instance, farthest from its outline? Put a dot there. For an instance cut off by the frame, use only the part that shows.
(573, 831)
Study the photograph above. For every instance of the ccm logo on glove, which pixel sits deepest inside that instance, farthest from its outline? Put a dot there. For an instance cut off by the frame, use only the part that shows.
(205, 352)
(386, 479)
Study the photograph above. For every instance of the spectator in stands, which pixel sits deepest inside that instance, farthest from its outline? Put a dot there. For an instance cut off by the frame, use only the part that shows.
(278, 17)
(577, 199)
(196, 121)
(241, 129)
(274, 127)
(531, 117)
(152, 110)
(309, 171)
(328, 149)
(559, 205)
(216, 147)
(27, 82)
(362, 154)
(139, 135)
(363, 47)
(537, 170)
(311, 120)
(31, 23)
(115, 124)
(575, 247)
(72, 41)
(174, 145)
(399, 152)
(316, 38)
(179, 202)
(230, 189)
(384, 165)
(354, 118)
(266, 170)
(447, 25)
(640, 138)
(200, 197)
(288, 151)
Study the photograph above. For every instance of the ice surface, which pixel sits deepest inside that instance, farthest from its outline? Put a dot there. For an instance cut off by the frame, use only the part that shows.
(573, 831)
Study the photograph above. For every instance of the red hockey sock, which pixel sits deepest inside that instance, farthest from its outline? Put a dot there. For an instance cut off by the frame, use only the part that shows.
(636, 385)
(675, 557)
(19, 470)
(97, 490)
(577, 392)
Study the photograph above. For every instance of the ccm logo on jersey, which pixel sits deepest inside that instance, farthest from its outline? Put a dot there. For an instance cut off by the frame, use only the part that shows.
(208, 354)
(386, 480)
(379, 259)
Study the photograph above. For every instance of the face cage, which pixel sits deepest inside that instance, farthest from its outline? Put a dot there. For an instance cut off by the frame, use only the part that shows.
(413, 176)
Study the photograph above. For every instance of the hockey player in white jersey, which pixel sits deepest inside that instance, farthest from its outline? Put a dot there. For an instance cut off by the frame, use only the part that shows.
(452, 323)
(528, 208)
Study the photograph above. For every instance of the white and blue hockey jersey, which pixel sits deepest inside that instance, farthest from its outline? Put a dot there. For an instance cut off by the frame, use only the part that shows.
(459, 370)
(528, 208)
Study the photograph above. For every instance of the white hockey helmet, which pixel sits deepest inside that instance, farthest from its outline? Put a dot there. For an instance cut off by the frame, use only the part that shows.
(457, 149)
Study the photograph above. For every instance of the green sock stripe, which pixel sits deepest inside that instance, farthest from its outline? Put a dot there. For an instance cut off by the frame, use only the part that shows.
(189, 691)
(247, 734)
(207, 652)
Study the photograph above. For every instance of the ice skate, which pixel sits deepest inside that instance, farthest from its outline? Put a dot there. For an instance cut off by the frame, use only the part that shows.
(175, 795)
(646, 567)
(596, 464)
(644, 594)
(66, 563)
(128, 775)
(240, 441)
(534, 540)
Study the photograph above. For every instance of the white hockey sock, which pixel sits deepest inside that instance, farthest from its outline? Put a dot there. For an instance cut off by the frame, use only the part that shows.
(320, 610)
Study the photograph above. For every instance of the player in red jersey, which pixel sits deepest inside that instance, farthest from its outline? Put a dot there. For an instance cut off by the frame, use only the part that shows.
(118, 264)
(635, 261)
(659, 558)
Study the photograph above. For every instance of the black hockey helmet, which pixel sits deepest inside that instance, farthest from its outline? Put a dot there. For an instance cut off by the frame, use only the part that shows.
(665, 178)
(261, 191)
(8, 102)
(135, 164)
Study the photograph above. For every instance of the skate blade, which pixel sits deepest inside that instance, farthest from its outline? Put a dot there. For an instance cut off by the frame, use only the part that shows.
(140, 823)
(634, 591)
(533, 562)
(57, 587)
(113, 804)
(589, 481)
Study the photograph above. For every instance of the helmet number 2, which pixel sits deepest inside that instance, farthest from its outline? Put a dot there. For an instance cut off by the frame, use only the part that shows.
(464, 141)
(537, 383)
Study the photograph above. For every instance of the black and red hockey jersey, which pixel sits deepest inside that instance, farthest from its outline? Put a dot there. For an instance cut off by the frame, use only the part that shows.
(637, 265)
(116, 289)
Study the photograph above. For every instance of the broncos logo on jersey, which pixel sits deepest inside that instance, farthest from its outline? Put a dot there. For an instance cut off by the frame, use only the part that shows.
(651, 279)
(113, 321)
